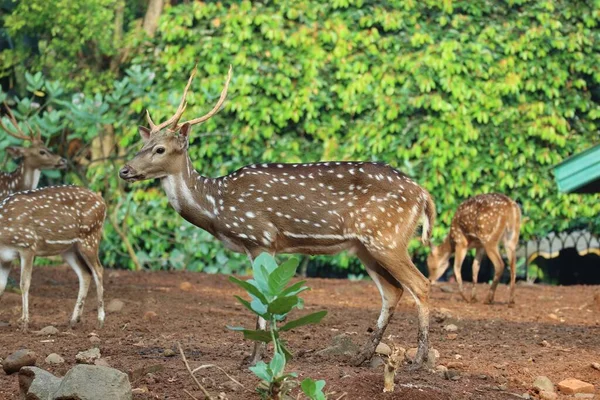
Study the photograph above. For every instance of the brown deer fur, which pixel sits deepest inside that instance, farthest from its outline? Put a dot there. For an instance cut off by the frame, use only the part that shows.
(51, 221)
(369, 209)
(480, 222)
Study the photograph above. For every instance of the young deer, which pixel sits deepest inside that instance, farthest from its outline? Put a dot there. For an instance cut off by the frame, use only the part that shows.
(480, 222)
(34, 159)
(51, 221)
(370, 209)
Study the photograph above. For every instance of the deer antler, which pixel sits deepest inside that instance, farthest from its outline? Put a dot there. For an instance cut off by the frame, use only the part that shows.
(19, 134)
(216, 107)
(174, 120)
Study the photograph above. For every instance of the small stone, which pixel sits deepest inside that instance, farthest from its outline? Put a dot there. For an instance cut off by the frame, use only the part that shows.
(501, 366)
(572, 386)
(441, 369)
(88, 356)
(17, 360)
(95, 339)
(169, 353)
(150, 315)
(451, 336)
(545, 343)
(450, 328)
(548, 395)
(596, 365)
(186, 286)
(526, 396)
(410, 355)
(140, 390)
(92, 382)
(543, 384)
(442, 314)
(101, 362)
(48, 331)
(455, 365)
(502, 387)
(482, 377)
(452, 374)
(584, 395)
(553, 316)
(54, 358)
(457, 356)
(35, 383)
(231, 386)
(376, 362)
(146, 370)
(115, 306)
(384, 349)
(432, 356)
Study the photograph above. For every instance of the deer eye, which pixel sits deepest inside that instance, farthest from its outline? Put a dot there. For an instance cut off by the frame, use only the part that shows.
(160, 150)
(42, 152)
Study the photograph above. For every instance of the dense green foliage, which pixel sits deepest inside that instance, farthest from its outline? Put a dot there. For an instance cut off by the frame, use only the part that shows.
(468, 97)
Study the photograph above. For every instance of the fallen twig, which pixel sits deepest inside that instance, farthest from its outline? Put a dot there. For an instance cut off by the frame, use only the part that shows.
(207, 395)
(189, 394)
(220, 369)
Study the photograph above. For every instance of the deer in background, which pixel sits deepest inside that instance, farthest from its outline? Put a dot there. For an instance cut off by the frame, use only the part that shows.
(480, 222)
(369, 209)
(34, 158)
(52, 221)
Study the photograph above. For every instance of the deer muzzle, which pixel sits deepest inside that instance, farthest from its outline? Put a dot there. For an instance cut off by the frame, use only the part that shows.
(129, 174)
(62, 164)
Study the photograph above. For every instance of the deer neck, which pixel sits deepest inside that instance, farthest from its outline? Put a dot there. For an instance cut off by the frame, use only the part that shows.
(30, 177)
(193, 196)
(446, 249)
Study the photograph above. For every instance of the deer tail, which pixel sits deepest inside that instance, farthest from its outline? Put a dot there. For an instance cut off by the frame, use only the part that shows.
(428, 218)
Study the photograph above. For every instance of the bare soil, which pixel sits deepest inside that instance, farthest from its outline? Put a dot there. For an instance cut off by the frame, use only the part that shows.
(500, 347)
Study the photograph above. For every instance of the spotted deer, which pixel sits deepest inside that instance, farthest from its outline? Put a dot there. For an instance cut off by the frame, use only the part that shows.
(369, 209)
(480, 222)
(52, 221)
(34, 158)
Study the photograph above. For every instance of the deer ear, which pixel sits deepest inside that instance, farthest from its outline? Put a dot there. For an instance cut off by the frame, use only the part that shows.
(15, 152)
(184, 132)
(144, 133)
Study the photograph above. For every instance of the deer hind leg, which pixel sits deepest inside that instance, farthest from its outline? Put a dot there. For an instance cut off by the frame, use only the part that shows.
(391, 292)
(459, 256)
(510, 245)
(26, 271)
(476, 264)
(4, 272)
(261, 324)
(84, 277)
(89, 255)
(494, 255)
(401, 267)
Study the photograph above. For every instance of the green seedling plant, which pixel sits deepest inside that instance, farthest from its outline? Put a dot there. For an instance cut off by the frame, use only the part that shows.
(273, 298)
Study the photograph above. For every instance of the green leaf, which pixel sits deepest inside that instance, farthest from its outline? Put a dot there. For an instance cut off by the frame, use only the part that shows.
(279, 278)
(266, 260)
(283, 305)
(256, 335)
(250, 288)
(295, 289)
(262, 371)
(313, 389)
(313, 318)
(277, 364)
(250, 306)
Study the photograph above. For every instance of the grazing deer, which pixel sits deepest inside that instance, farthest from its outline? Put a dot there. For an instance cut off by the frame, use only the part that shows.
(480, 222)
(35, 158)
(51, 221)
(370, 209)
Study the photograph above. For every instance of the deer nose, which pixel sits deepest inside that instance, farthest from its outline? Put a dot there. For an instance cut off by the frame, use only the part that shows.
(124, 172)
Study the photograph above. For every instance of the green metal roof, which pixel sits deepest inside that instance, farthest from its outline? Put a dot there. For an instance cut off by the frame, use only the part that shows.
(579, 173)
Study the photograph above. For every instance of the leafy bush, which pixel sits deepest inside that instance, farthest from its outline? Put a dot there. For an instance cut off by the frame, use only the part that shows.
(272, 299)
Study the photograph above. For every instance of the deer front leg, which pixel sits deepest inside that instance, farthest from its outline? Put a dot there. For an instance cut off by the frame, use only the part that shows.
(26, 270)
(476, 265)
(259, 347)
(494, 255)
(459, 257)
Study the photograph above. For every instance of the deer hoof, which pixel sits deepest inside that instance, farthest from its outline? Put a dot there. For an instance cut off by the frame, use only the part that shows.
(473, 299)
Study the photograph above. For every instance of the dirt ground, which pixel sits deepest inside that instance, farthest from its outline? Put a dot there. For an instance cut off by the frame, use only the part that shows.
(500, 348)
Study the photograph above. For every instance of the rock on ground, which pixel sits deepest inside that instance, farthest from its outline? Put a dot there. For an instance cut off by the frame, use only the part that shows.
(48, 331)
(54, 358)
(384, 349)
(115, 306)
(451, 328)
(88, 356)
(432, 356)
(543, 384)
(92, 382)
(572, 386)
(37, 384)
(18, 359)
(548, 395)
